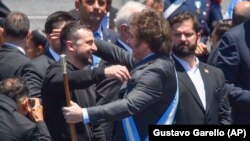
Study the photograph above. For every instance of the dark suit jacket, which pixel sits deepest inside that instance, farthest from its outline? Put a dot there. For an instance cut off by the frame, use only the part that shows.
(14, 126)
(10, 60)
(149, 92)
(53, 98)
(190, 109)
(33, 73)
(233, 59)
(107, 91)
(213, 55)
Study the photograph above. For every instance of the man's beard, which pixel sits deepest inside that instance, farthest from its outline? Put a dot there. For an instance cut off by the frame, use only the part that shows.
(184, 51)
(83, 59)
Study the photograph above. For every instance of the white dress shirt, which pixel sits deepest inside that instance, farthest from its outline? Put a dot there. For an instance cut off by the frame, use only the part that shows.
(195, 75)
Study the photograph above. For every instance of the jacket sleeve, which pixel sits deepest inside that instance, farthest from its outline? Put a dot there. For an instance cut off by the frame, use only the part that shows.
(40, 132)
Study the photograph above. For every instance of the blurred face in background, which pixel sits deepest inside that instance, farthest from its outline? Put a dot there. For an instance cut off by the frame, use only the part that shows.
(91, 11)
(54, 37)
(31, 50)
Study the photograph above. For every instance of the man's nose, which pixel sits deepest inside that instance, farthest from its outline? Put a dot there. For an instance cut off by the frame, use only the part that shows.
(183, 37)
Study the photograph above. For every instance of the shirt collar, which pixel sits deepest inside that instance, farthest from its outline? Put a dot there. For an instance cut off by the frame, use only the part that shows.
(99, 31)
(54, 54)
(15, 46)
(186, 65)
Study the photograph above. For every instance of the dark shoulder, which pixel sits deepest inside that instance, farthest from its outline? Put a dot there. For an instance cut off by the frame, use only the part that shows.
(211, 68)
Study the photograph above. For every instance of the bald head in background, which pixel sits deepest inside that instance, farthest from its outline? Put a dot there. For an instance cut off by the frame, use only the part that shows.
(241, 12)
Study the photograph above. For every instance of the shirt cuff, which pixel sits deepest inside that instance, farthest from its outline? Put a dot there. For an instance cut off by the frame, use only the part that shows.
(85, 116)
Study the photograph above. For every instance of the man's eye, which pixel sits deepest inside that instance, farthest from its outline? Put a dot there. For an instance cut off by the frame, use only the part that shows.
(189, 34)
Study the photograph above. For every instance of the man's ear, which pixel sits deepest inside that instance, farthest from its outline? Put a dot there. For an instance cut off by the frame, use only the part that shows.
(23, 105)
(70, 46)
(124, 30)
(40, 50)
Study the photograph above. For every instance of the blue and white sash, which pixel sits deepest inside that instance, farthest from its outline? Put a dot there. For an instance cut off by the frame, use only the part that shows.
(167, 118)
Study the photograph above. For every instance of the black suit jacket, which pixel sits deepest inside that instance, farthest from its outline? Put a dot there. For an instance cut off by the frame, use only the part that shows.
(10, 60)
(53, 98)
(149, 92)
(14, 126)
(33, 73)
(190, 109)
(233, 58)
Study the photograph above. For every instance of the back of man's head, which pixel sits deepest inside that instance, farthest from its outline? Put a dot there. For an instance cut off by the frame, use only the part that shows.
(15, 88)
(152, 29)
(16, 25)
(241, 12)
(130, 7)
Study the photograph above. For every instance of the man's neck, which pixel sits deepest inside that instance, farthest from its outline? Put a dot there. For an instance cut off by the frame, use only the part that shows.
(190, 60)
(18, 42)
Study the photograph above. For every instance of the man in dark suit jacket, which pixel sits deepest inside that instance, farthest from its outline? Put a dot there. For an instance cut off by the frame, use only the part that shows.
(233, 59)
(152, 87)
(203, 97)
(14, 107)
(77, 43)
(34, 71)
(12, 54)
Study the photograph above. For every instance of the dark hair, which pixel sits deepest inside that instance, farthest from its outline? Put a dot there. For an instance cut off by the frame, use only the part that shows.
(220, 27)
(55, 17)
(17, 25)
(15, 88)
(39, 37)
(70, 32)
(183, 16)
(153, 29)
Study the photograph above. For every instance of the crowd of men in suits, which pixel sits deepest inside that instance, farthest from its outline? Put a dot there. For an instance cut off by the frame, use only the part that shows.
(151, 70)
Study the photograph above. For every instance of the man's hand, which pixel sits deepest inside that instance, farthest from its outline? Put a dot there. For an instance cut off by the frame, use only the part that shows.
(36, 109)
(117, 71)
(73, 113)
(201, 49)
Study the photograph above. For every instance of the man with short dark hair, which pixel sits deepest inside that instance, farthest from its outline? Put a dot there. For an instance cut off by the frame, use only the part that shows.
(93, 12)
(202, 87)
(14, 106)
(16, 29)
(34, 71)
(78, 45)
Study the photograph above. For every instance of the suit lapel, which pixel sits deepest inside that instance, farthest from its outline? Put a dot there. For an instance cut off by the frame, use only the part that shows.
(205, 74)
(187, 82)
